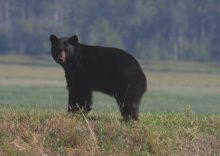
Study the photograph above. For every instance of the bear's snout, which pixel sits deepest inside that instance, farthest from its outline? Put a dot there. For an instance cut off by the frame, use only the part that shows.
(61, 58)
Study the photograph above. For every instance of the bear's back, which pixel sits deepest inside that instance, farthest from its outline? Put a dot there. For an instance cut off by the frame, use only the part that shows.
(106, 66)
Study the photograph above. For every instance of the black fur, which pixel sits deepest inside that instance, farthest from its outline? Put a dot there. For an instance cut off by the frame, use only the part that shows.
(94, 68)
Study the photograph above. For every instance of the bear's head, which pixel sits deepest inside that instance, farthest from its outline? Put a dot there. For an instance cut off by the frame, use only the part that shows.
(62, 49)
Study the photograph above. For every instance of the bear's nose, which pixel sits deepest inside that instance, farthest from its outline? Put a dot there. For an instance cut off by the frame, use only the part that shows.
(60, 59)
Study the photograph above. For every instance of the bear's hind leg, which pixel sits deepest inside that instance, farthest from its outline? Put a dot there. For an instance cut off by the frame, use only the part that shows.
(130, 111)
(129, 107)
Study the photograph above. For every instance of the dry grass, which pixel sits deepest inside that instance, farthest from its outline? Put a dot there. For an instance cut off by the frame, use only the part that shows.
(24, 76)
(184, 82)
(36, 72)
(38, 132)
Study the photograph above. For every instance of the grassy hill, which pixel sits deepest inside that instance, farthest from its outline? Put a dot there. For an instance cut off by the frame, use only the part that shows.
(37, 132)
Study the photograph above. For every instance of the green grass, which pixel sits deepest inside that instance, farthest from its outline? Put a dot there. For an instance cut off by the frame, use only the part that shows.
(40, 131)
(56, 98)
(28, 97)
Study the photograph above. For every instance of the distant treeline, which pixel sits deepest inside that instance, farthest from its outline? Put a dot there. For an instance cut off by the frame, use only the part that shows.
(150, 29)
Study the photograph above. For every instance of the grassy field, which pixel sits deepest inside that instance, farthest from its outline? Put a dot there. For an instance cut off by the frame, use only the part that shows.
(48, 132)
(171, 86)
(179, 114)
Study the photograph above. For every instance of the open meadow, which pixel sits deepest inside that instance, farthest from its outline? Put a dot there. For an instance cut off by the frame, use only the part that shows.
(172, 86)
(178, 114)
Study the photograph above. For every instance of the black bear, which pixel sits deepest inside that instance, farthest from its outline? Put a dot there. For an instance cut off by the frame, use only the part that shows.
(94, 68)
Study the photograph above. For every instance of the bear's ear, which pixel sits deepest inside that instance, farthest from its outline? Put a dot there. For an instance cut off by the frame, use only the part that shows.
(53, 39)
(73, 40)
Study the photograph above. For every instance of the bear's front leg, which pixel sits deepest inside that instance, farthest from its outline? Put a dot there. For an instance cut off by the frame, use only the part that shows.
(73, 106)
(79, 101)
